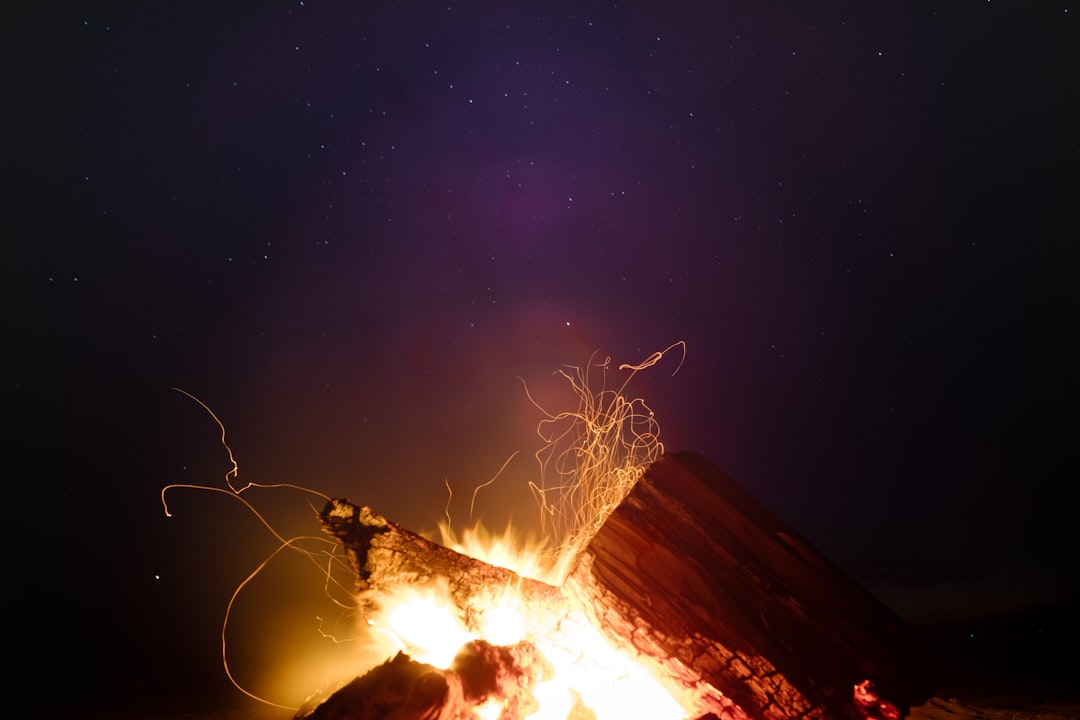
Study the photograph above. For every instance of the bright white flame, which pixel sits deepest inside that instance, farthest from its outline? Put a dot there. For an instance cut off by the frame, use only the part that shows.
(611, 683)
(491, 710)
(555, 700)
(503, 623)
(526, 556)
(428, 628)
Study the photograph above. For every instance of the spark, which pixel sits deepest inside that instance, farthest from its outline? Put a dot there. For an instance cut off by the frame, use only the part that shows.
(472, 504)
(593, 456)
(330, 552)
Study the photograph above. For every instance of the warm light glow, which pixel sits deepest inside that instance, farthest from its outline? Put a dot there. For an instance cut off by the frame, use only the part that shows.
(592, 458)
(504, 622)
(323, 553)
(490, 710)
(612, 684)
(426, 625)
(556, 701)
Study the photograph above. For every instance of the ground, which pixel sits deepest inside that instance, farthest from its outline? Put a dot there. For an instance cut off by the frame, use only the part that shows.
(1021, 666)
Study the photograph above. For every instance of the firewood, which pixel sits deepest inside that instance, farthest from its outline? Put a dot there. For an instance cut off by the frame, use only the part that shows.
(691, 568)
(387, 557)
(731, 609)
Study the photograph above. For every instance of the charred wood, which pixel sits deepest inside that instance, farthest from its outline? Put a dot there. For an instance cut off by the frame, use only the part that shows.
(690, 567)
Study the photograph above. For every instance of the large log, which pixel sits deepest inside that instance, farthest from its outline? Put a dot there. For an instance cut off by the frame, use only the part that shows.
(387, 557)
(732, 610)
(691, 567)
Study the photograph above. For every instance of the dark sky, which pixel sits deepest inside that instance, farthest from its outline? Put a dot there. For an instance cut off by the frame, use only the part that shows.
(353, 229)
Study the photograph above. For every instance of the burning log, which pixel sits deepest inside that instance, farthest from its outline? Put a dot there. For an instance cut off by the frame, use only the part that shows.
(690, 567)
(387, 556)
(726, 607)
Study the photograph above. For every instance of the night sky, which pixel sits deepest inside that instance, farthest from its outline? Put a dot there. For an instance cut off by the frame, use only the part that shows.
(358, 230)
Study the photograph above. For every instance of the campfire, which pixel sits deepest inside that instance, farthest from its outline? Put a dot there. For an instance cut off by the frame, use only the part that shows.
(663, 591)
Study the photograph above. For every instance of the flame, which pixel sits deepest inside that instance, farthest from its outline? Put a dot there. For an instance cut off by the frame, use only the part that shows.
(608, 681)
(491, 710)
(527, 556)
(426, 623)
